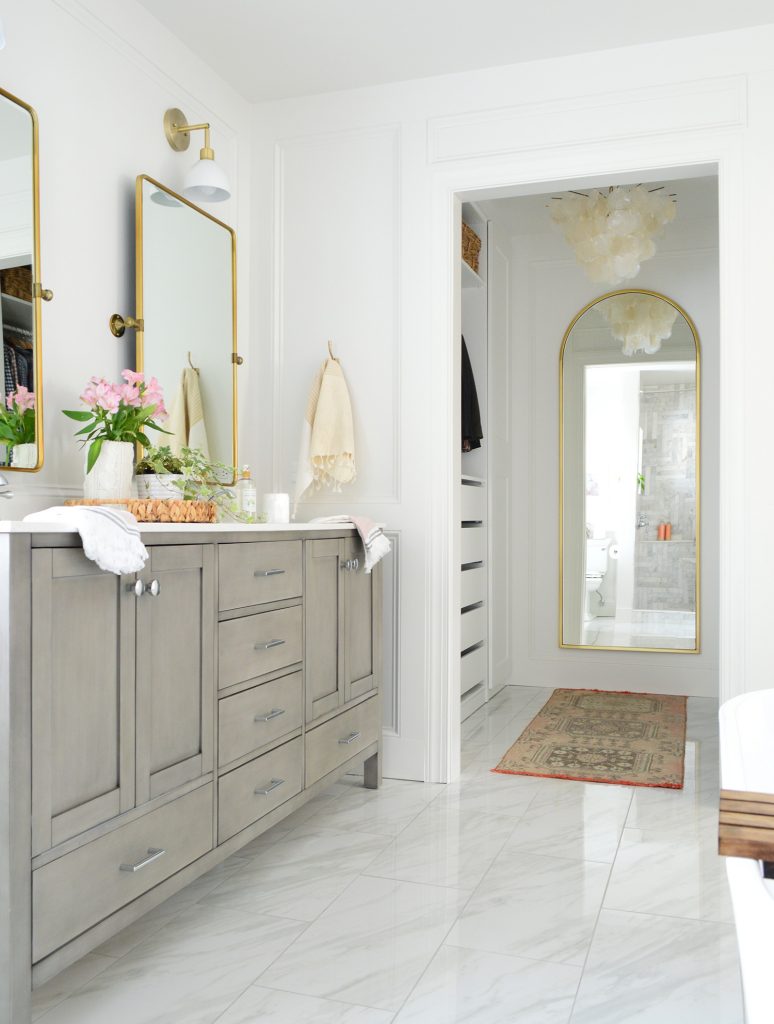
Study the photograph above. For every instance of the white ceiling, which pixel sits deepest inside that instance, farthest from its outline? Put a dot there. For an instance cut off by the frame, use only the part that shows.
(269, 49)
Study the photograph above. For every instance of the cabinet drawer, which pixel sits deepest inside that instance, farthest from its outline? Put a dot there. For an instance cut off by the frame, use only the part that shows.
(472, 586)
(258, 644)
(473, 544)
(249, 720)
(73, 893)
(257, 573)
(472, 669)
(249, 792)
(472, 504)
(334, 742)
(473, 627)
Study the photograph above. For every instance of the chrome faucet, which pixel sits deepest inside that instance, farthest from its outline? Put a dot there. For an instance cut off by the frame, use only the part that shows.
(5, 488)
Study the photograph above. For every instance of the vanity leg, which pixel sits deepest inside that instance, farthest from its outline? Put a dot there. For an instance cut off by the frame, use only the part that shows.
(372, 772)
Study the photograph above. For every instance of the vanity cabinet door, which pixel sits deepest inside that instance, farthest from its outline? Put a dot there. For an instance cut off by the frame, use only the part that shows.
(323, 627)
(176, 624)
(362, 611)
(83, 726)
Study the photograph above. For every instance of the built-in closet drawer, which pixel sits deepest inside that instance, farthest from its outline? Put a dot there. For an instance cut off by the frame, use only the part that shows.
(473, 544)
(249, 792)
(472, 668)
(473, 627)
(472, 586)
(257, 573)
(75, 892)
(258, 644)
(472, 503)
(334, 742)
(249, 720)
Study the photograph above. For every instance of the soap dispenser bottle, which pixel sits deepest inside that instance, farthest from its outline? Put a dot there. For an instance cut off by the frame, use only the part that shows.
(247, 497)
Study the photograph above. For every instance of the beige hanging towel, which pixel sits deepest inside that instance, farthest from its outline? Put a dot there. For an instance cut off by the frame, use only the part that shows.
(186, 421)
(327, 456)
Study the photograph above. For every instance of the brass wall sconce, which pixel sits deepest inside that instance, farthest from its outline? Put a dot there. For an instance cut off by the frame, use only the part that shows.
(205, 181)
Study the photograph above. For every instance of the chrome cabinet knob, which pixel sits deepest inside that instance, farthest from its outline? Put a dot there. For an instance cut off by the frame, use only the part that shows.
(137, 588)
(153, 588)
(351, 564)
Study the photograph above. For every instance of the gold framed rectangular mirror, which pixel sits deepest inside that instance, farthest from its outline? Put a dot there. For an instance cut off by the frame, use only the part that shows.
(21, 410)
(630, 455)
(187, 311)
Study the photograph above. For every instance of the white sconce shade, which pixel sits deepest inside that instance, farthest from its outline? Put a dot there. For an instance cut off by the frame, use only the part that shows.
(206, 182)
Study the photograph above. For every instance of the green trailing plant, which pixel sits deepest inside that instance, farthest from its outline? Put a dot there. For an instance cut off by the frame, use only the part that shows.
(640, 483)
(159, 461)
(203, 479)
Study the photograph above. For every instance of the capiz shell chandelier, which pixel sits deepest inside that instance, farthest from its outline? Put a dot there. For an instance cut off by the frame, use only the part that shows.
(639, 322)
(611, 233)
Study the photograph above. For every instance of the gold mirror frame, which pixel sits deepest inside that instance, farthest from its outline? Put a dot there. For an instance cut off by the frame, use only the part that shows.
(696, 649)
(36, 290)
(236, 359)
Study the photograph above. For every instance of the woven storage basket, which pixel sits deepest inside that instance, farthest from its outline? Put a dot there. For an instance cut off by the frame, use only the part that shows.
(471, 246)
(17, 281)
(161, 510)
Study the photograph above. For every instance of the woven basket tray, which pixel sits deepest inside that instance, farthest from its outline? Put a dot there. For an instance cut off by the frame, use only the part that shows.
(160, 510)
(471, 246)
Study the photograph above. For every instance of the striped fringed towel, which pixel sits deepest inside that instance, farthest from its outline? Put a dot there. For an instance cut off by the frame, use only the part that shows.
(375, 544)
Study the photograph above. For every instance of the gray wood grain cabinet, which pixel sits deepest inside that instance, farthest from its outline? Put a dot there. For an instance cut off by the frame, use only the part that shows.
(152, 724)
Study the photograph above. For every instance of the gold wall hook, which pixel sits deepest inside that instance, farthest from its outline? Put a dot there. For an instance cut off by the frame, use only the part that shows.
(118, 325)
(237, 359)
(39, 292)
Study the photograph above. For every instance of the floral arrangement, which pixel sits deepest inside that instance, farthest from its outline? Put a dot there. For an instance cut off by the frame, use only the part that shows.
(17, 419)
(205, 480)
(119, 412)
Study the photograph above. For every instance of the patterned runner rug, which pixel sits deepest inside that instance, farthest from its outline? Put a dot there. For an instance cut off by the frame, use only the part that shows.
(629, 739)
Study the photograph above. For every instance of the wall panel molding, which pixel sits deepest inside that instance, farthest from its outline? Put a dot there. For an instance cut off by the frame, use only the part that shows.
(709, 103)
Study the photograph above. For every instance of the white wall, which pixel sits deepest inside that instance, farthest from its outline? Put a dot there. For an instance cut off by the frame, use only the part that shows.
(359, 172)
(100, 74)
(549, 288)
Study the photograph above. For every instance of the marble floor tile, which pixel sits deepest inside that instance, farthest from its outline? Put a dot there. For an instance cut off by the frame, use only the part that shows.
(466, 986)
(530, 905)
(189, 972)
(385, 811)
(644, 969)
(480, 789)
(573, 819)
(68, 981)
(269, 1006)
(371, 945)
(672, 874)
(444, 845)
(141, 929)
(299, 875)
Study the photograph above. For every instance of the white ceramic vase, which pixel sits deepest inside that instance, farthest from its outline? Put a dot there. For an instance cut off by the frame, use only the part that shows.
(158, 485)
(24, 456)
(111, 475)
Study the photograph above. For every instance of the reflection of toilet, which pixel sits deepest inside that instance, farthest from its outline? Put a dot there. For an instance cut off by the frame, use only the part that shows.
(596, 567)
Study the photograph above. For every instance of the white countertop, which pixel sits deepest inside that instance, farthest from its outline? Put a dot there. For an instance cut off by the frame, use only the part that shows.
(17, 526)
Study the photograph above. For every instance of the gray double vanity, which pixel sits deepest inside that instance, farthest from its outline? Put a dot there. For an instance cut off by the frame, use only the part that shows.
(153, 724)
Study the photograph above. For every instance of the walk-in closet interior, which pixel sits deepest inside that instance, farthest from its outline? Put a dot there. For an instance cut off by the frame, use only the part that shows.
(588, 537)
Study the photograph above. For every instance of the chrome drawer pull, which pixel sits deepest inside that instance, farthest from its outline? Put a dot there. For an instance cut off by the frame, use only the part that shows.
(275, 784)
(274, 713)
(269, 572)
(153, 854)
(267, 646)
(351, 738)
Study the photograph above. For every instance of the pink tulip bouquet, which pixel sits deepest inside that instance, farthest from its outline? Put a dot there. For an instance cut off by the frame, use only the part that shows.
(17, 419)
(119, 412)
